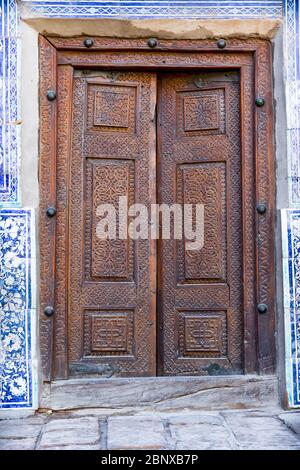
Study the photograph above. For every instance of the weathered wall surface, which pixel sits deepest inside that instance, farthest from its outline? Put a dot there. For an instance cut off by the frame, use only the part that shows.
(160, 28)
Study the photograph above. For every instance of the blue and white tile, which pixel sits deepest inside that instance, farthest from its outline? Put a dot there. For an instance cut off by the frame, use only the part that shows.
(16, 261)
(10, 17)
(9, 104)
(292, 89)
(296, 382)
(286, 284)
(292, 380)
(295, 334)
(293, 104)
(284, 233)
(156, 9)
(289, 381)
(16, 384)
(290, 220)
(9, 165)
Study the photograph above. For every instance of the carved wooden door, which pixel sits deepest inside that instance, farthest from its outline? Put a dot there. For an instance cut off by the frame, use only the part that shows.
(112, 283)
(178, 123)
(111, 304)
(199, 161)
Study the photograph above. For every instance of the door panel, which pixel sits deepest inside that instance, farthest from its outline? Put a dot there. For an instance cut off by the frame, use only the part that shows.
(199, 162)
(111, 305)
(112, 283)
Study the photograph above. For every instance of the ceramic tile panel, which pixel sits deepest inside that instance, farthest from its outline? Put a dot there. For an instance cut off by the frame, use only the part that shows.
(291, 278)
(157, 9)
(17, 262)
(9, 105)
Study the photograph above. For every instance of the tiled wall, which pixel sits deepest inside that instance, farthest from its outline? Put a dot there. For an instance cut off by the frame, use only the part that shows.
(17, 231)
(291, 268)
(290, 218)
(157, 9)
(9, 105)
(17, 278)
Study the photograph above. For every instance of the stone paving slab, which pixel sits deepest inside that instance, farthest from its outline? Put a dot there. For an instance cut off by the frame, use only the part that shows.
(292, 420)
(17, 444)
(70, 432)
(260, 431)
(136, 432)
(204, 432)
(74, 447)
(233, 429)
(20, 428)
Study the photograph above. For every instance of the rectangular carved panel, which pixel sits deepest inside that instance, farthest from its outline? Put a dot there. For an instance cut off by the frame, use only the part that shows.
(202, 334)
(111, 304)
(110, 259)
(204, 183)
(108, 333)
(111, 108)
(200, 163)
(201, 112)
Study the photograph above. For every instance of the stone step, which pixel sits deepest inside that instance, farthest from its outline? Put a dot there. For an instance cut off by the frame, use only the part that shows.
(162, 393)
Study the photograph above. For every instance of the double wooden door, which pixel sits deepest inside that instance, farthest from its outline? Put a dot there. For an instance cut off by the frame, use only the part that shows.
(146, 306)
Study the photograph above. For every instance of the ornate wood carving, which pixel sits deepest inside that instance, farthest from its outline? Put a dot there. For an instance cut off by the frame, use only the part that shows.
(109, 259)
(265, 192)
(204, 183)
(118, 98)
(112, 108)
(117, 273)
(47, 179)
(202, 334)
(154, 60)
(109, 333)
(165, 45)
(64, 134)
(211, 178)
(201, 112)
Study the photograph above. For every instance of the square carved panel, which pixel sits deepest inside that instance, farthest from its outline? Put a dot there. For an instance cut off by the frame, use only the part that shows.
(111, 108)
(201, 112)
(108, 333)
(202, 334)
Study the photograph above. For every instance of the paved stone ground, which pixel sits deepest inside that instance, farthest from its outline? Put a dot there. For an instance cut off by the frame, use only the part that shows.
(251, 429)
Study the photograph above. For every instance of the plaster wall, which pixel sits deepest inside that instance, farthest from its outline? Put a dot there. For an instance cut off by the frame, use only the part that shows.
(160, 28)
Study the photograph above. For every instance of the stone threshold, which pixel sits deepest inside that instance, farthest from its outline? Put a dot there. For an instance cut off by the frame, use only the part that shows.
(162, 394)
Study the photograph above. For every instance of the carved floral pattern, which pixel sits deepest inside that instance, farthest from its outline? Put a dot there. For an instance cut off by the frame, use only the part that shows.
(108, 333)
(111, 109)
(111, 258)
(201, 112)
(208, 171)
(110, 149)
(16, 305)
(205, 183)
(202, 334)
(105, 174)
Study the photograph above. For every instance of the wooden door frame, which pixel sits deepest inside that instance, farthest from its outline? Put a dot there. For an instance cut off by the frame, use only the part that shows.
(59, 57)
